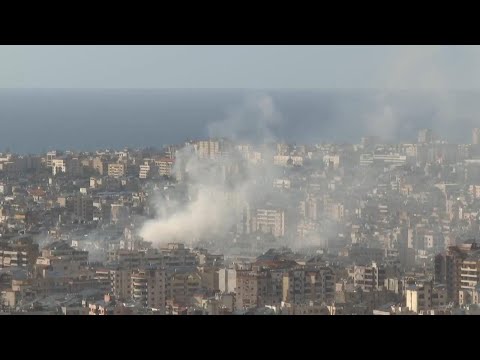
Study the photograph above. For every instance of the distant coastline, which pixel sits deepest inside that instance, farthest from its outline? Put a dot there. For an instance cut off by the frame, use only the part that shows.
(36, 120)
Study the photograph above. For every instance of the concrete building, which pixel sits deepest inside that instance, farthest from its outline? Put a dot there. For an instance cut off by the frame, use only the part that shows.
(208, 149)
(182, 287)
(227, 280)
(470, 296)
(312, 208)
(333, 210)
(99, 165)
(74, 167)
(144, 171)
(121, 283)
(425, 136)
(108, 306)
(119, 214)
(331, 161)
(165, 166)
(269, 221)
(59, 166)
(368, 278)
(382, 159)
(95, 182)
(448, 267)
(209, 278)
(364, 255)
(474, 190)
(149, 288)
(49, 159)
(470, 272)
(252, 289)
(82, 208)
(62, 250)
(425, 296)
(177, 256)
(116, 170)
(476, 136)
(282, 183)
(286, 160)
(20, 252)
(311, 308)
(282, 149)
(301, 286)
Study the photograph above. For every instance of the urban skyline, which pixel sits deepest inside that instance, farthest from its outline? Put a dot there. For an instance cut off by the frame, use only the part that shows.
(239, 180)
(219, 227)
(39, 120)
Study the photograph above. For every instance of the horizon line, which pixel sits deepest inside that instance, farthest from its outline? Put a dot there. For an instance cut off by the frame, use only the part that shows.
(246, 88)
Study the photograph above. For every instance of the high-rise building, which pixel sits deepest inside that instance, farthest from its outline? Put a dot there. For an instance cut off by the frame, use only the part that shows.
(301, 286)
(20, 252)
(116, 170)
(58, 166)
(476, 136)
(208, 149)
(425, 136)
(368, 278)
(50, 156)
(448, 268)
(83, 208)
(270, 221)
(165, 166)
(74, 167)
(181, 287)
(470, 272)
(99, 165)
(425, 296)
(148, 287)
(144, 171)
(227, 280)
(253, 289)
(63, 251)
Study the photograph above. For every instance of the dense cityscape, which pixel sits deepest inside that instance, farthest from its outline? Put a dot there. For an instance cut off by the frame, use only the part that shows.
(223, 227)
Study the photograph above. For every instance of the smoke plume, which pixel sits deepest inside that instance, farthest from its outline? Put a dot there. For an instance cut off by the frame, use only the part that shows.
(217, 189)
(254, 122)
(416, 73)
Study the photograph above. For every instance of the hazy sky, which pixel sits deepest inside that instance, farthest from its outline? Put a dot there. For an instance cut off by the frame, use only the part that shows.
(454, 67)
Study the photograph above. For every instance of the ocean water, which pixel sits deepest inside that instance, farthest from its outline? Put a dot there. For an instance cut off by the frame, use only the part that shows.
(37, 120)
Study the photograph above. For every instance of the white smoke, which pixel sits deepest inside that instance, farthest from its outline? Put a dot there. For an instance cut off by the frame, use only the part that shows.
(208, 213)
(412, 68)
(255, 121)
(218, 189)
(383, 122)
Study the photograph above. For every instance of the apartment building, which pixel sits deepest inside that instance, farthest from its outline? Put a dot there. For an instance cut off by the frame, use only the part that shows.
(448, 268)
(116, 170)
(470, 279)
(227, 280)
(64, 251)
(208, 149)
(301, 286)
(182, 287)
(253, 289)
(144, 171)
(177, 256)
(18, 252)
(269, 221)
(149, 287)
(425, 296)
(165, 166)
(368, 278)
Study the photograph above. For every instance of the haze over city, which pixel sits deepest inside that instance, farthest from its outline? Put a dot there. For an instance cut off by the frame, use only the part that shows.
(233, 180)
